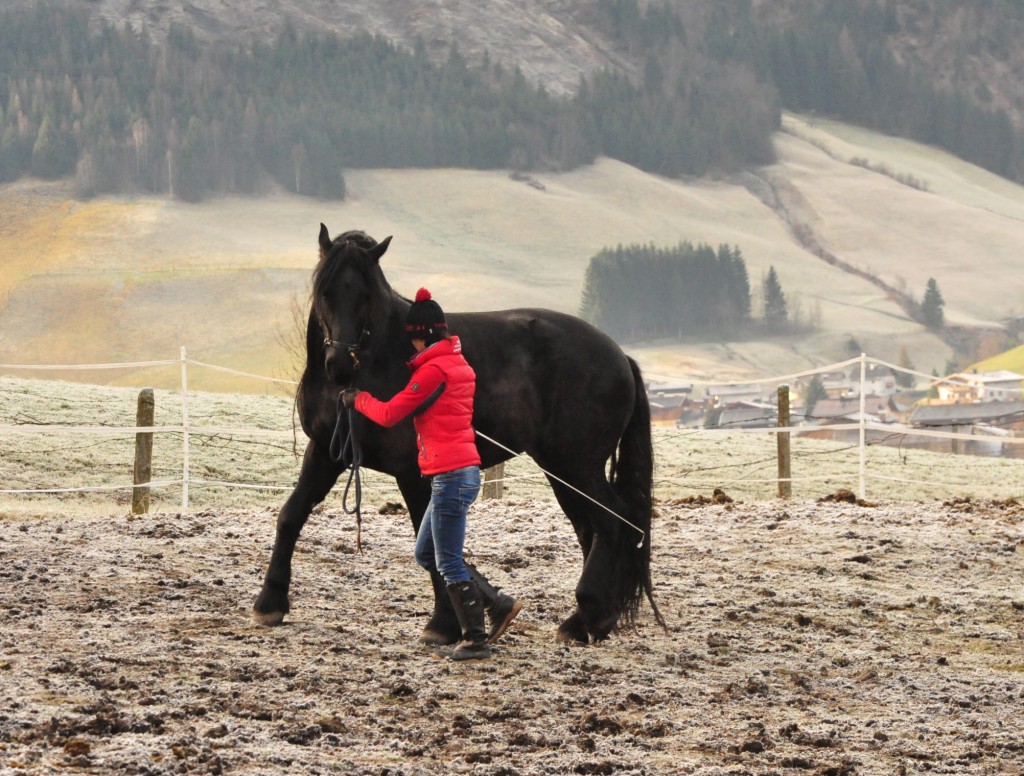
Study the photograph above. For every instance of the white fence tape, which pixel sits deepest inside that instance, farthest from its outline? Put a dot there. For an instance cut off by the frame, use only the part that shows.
(72, 367)
(861, 426)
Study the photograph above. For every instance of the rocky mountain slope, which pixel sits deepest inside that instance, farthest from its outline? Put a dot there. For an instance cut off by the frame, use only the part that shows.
(957, 43)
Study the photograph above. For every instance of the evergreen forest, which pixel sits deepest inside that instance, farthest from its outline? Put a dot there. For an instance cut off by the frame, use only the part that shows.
(644, 292)
(120, 112)
(837, 61)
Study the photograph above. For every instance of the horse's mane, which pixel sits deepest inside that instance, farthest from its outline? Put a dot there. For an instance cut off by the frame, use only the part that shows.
(329, 263)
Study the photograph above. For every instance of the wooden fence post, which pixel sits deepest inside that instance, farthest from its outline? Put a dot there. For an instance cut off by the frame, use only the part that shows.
(143, 469)
(782, 442)
(493, 485)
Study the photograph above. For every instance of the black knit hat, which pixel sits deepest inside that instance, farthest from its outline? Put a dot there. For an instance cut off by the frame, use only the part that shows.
(426, 319)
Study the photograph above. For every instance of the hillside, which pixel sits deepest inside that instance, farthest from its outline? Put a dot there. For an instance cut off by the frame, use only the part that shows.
(958, 43)
(221, 277)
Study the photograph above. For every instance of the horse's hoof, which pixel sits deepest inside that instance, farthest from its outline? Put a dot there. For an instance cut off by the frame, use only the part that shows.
(561, 637)
(267, 618)
(434, 638)
(573, 631)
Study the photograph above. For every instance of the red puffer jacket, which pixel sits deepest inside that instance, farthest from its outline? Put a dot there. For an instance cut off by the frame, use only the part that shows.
(440, 394)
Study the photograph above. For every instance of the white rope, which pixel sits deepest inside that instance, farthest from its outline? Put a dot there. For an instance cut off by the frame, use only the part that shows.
(535, 477)
(244, 486)
(636, 528)
(1011, 486)
(22, 428)
(833, 368)
(92, 488)
(891, 429)
(122, 365)
(230, 371)
(908, 431)
(242, 432)
(783, 378)
(745, 481)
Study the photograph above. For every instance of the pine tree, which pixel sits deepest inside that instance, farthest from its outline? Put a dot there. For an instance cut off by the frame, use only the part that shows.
(52, 153)
(931, 307)
(776, 314)
(903, 378)
(815, 393)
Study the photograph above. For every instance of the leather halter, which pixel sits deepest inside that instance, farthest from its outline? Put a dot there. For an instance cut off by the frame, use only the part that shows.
(352, 348)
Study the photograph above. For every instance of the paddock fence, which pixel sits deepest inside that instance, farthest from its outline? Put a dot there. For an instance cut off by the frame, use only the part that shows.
(76, 443)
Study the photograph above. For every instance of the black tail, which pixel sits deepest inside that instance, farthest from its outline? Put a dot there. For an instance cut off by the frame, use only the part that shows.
(633, 479)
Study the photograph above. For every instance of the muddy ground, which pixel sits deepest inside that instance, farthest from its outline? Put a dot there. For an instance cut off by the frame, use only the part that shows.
(803, 638)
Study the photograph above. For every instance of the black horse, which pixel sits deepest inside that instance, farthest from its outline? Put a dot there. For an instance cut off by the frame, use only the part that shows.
(548, 384)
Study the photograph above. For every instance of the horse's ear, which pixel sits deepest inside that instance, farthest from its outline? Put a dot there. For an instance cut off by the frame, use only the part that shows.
(380, 248)
(325, 241)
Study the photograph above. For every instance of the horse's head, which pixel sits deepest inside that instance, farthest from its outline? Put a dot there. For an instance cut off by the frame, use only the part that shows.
(349, 300)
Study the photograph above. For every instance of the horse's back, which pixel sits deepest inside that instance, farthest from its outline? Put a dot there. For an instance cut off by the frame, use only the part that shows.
(538, 329)
(540, 373)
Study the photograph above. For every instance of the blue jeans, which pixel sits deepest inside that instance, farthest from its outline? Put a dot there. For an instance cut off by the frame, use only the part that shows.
(443, 530)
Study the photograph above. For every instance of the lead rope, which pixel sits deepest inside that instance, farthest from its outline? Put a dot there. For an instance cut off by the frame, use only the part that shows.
(643, 534)
(352, 449)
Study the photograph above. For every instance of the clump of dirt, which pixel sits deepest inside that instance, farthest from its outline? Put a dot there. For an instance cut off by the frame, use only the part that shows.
(966, 504)
(845, 496)
(718, 496)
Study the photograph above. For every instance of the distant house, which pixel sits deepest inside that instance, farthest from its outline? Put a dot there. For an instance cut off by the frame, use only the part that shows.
(1001, 385)
(748, 415)
(989, 421)
(725, 394)
(834, 412)
(878, 380)
(878, 409)
(668, 393)
(1004, 414)
(668, 400)
(836, 384)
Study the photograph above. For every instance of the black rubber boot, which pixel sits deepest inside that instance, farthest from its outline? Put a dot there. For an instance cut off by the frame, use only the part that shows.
(469, 608)
(500, 608)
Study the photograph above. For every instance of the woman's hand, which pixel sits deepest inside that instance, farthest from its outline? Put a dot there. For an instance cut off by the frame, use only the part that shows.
(348, 396)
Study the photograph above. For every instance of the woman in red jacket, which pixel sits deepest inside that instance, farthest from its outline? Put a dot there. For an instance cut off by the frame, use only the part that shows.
(439, 396)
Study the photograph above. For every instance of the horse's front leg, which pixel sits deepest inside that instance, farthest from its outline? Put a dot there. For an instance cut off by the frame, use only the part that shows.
(316, 478)
(443, 626)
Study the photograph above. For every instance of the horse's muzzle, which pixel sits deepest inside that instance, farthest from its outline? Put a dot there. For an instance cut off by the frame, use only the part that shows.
(340, 366)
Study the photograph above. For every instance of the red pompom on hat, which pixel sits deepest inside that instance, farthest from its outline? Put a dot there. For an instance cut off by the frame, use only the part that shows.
(426, 319)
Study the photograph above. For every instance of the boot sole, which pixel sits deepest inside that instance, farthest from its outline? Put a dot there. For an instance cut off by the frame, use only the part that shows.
(476, 655)
(497, 633)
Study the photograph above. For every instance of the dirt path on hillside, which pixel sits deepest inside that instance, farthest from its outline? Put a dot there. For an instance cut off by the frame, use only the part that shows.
(803, 638)
(797, 213)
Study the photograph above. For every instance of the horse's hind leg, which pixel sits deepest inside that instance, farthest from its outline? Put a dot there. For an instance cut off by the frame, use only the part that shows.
(597, 590)
(316, 478)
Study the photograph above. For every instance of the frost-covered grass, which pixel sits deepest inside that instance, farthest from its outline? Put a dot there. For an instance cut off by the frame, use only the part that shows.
(744, 465)
(688, 463)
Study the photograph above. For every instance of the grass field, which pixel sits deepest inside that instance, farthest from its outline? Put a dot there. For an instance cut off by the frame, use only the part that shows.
(688, 464)
(130, 279)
